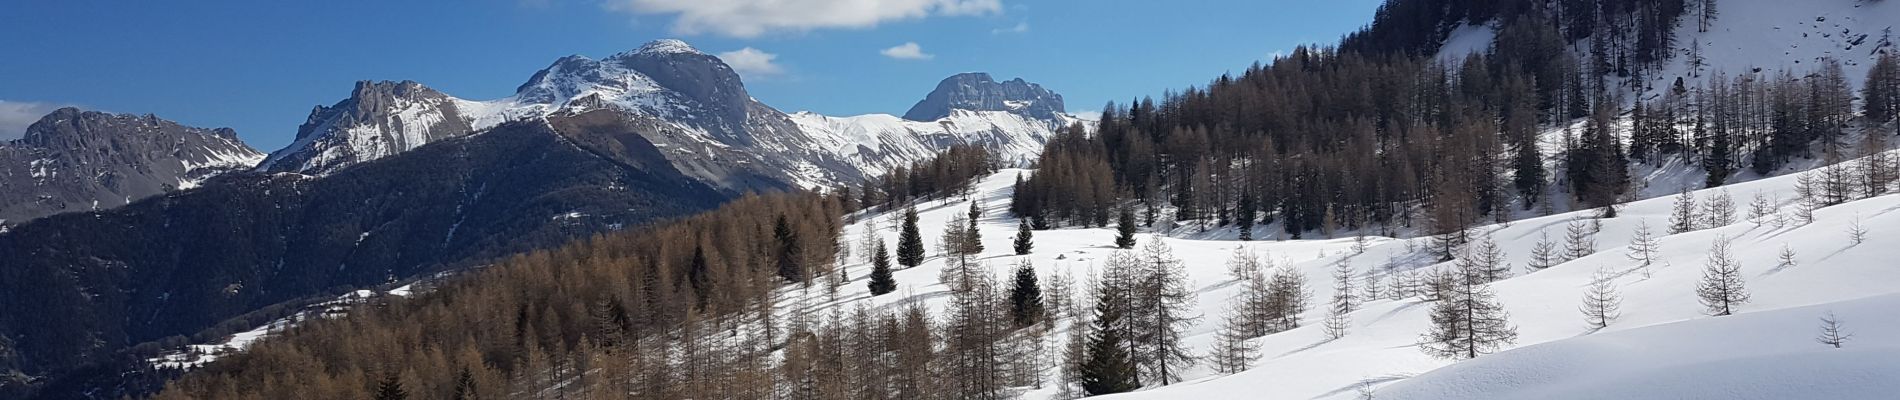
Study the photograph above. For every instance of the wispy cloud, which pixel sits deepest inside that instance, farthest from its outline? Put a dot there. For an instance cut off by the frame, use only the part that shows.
(752, 18)
(1021, 27)
(907, 51)
(15, 116)
(753, 63)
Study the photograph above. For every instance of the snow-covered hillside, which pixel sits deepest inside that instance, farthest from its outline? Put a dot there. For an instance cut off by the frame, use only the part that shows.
(1750, 36)
(879, 142)
(1771, 336)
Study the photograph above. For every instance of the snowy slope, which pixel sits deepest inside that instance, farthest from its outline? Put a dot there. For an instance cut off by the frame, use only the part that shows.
(1749, 36)
(1775, 35)
(876, 143)
(1380, 347)
(1764, 355)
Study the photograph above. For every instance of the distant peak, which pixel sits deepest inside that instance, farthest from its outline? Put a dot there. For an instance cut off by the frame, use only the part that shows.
(667, 46)
(976, 91)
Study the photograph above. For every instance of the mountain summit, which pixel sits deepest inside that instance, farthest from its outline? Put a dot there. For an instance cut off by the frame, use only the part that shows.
(75, 160)
(696, 109)
(976, 91)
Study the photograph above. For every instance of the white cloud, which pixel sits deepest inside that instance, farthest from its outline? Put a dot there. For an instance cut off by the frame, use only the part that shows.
(752, 63)
(1021, 27)
(751, 18)
(907, 51)
(1091, 115)
(15, 116)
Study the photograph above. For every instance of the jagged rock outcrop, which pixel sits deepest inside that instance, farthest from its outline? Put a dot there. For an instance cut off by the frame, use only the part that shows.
(975, 91)
(74, 160)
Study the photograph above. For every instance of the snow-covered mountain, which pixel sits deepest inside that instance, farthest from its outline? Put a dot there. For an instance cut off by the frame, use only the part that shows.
(975, 91)
(74, 160)
(695, 108)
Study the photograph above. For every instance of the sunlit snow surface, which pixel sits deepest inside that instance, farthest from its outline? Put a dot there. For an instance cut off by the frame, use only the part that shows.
(1660, 309)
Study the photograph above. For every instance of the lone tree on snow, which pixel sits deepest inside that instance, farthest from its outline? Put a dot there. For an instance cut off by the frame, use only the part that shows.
(1025, 239)
(910, 243)
(1601, 301)
(1722, 287)
(1025, 297)
(881, 280)
(1125, 229)
(1831, 333)
(1467, 320)
(1643, 247)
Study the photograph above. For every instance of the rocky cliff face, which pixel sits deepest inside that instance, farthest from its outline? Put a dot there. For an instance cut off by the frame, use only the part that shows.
(975, 91)
(377, 120)
(73, 160)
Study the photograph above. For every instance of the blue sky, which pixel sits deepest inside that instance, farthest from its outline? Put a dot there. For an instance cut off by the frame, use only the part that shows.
(260, 66)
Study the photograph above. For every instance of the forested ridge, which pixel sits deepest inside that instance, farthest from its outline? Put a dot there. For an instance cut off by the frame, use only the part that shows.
(594, 316)
(1379, 136)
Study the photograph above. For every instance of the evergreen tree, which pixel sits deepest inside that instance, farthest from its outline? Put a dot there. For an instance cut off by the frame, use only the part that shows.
(464, 386)
(881, 281)
(789, 260)
(1881, 94)
(1722, 287)
(1108, 368)
(910, 243)
(1244, 215)
(699, 276)
(1125, 229)
(390, 387)
(1025, 297)
(1025, 238)
(975, 236)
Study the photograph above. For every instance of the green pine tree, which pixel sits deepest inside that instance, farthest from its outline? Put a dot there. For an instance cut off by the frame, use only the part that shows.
(788, 257)
(910, 243)
(1025, 297)
(1125, 229)
(881, 280)
(1107, 367)
(464, 385)
(390, 388)
(975, 236)
(1025, 238)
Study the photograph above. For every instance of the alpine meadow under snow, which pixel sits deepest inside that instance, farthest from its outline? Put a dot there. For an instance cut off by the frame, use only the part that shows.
(1661, 338)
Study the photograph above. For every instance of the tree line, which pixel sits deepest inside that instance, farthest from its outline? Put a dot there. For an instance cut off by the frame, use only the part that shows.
(680, 309)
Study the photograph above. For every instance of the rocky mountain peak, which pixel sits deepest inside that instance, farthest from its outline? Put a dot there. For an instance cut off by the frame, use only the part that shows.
(668, 46)
(78, 160)
(976, 91)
